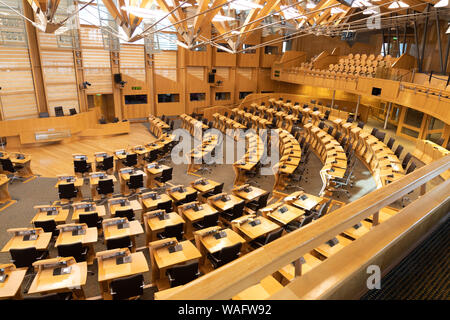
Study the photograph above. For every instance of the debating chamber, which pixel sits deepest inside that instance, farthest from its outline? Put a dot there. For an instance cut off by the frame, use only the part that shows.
(224, 150)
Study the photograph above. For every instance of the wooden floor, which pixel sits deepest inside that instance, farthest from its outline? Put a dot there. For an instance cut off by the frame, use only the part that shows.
(53, 159)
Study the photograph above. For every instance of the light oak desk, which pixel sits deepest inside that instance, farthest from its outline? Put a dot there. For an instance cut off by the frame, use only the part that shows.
(10, 287)
(21, 159)
(177, 195)
(162, 259)
(261, 291)
(124, 177)
(206, 242)
(249, 232)
(59, 214)
(114, 205)
(248, 193)
(81, 156)
(4, 193)
(141, 152)
(68, 179)
(87, 237)
(119, 156)
(309, 203)
(109, 269)
(112, 231)
(156, 221)
(150, 200)
(46, 282)
(189, 212)
(154, 170)
(94, 179)
(284, 214)
(203, 185)
(80, 208)
(217, 201)
(17, 240)
(98, 159)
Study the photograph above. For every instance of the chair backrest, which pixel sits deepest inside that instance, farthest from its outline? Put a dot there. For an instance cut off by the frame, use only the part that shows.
(398, 151)
(262, 201)
(321, 124)
(274, 235)
(127, 287)
(127, 213)
(440, 141)
(46, 225)
(67, 191)
(238, 210)
(118, 243)
(131, 159)
(228, 254)
(361, 124)
(108, 163)
(174, 231)
(330, 130)
(136, 181)
(380, 135)
(71, 250)
(323, 209)
(406, 160)
(91, 219)
(411, 168)
(218, 188)
(337, 135)
(390, 143)
(7, 165)
(24, 257)
(166, 205)
(105, 186)
(307, 219)
(166, 175)
(374, 131)
(210, 220)
(327, 114)
(183, 274)
(302, 141)
(191, 197)
(80, 166)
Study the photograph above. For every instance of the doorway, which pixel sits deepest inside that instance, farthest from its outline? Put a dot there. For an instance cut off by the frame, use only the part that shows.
(105, 103)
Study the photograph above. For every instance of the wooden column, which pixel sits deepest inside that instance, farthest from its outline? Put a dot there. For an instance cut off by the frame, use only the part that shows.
(117, 92)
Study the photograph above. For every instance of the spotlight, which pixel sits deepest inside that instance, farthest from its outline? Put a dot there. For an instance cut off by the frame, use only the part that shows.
(122, 83)
(85, 84)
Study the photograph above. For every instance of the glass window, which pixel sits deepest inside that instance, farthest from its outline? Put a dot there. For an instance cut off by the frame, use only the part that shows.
(413, 117)
(271, 50)
(250, 51)
(136, 99)
(197, 96)
(223, 96)
(168, 97)
(243, 94)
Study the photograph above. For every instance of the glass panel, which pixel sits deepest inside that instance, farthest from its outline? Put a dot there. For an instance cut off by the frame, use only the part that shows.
(435, 124)
(433, 137)
(413, 118)
(410, 132)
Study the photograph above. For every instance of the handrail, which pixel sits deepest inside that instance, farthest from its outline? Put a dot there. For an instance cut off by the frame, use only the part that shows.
(248, 270)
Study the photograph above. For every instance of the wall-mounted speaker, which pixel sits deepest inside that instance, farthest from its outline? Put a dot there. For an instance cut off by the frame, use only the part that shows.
(117, 77)
(211, 78)
(376, 91)
(213, 70)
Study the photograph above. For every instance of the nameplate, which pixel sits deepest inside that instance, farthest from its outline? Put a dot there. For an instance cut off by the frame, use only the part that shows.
(255, 222)
(62, 271)
(175, 248)
(220, 235)
(122, 260)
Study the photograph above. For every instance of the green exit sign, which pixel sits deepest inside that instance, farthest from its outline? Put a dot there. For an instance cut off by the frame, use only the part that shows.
(277, 73)
(136, 88)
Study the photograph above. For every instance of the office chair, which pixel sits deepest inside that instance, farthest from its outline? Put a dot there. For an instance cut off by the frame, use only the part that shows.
(217, 189)
(398, 151)
(119, 243)
(182, 274)
(59, 112)
(323, 209)
(127, 287)
(337, 135)
(361, 124)
(261, 241)
(106, 164)
(326, 115)
(411, 168)
(209, 220)
(136, 182)
(189, 198)
(380, 135)
(47, 226)
(130, 160)
(50, 296)
(81, 166)
(127, 213)
(330, 130)
(92, 220)
(165, 176)
(321, 125)
(448, 145)
(73, 111)
(25, 257)
(163, 118)
(8, 166)
(440, 141)
(260, 203)
(374, 132)
(350, 119)
(225, 255)
(294, 225)
(166, 205)
(406, 160)
(390, 143)
(67, 191)
(174, 231)
(235, 212)
(172, 125)
(75, 250)
(152, 156)
(105, 187)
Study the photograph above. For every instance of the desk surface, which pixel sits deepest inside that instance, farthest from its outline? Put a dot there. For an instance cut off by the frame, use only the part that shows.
(135, 228)
(45, 281)
(225, 205)
(149, 203)
(259, 230)
(101, 211)
(284, 218)
(91, 236)
(165, 259)
(61, 217)
(17, 242)
(308, 203)
(253, 193)
(108, 269)
(12, 284)
(193, 215)
(155, 224)
(205, 188)
(214, 245)
(177, 196)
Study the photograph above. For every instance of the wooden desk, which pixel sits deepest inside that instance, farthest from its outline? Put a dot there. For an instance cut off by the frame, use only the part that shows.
(162, 259)
(26, 171)
(98, 159)
(154, 171)
(326, 250)
(206, 187)
(108, 269)
(16, 242)
(309, 203)
(149, 204)
(177, 196)
(251, 233)
(4, 193)
(94, 183)
(101, 211)
(267, 287)
(133, 204)
(286, 217)
(194, 216)
(10, 288)
(253, 193)
(46, 282)
(87, 239)
(132, 231)
(125, 177)
(154, 225)
(60, 218)
(78, 183)
(224, 205)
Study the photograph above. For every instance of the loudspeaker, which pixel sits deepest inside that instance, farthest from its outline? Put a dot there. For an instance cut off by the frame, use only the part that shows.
(376, 91)
(117, 77)
(211, 78)
(213, 70)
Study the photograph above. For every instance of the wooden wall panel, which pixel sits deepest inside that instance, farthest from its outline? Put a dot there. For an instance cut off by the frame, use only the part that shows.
(97, 71)
(132, 61)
